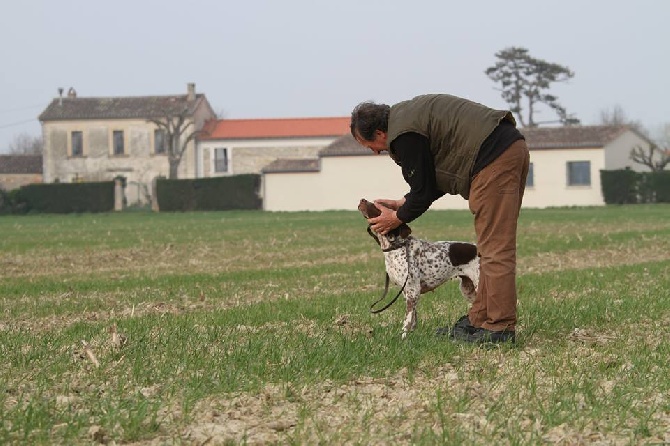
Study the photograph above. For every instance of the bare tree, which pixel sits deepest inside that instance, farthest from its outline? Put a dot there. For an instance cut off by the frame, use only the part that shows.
(617, 116)
(26, 144)
(653, 157)
(524, 81)
(613, 116)
(179, 132)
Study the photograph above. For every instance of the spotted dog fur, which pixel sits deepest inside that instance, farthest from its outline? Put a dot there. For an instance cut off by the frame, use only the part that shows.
(424, 265)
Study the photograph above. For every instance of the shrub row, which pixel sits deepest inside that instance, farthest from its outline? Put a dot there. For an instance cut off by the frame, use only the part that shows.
(628, 186)
(206, 194)
(210, 194)
(242, 192)
(59, 198)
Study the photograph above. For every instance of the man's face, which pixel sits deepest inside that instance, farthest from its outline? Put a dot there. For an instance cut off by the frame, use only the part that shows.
(377, 145)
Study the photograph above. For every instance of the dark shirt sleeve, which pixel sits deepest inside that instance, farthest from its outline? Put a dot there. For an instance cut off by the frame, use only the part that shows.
(412, 153)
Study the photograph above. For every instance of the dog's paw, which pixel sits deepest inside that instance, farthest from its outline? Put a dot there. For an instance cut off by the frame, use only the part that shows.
(404, 334)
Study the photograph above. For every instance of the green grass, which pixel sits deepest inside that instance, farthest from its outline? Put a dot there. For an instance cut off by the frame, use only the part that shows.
(254, 327)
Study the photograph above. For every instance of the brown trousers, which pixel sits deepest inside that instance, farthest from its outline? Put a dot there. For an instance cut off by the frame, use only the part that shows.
(495, 201)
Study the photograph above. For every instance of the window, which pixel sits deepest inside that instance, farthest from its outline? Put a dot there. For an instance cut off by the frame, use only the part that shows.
(579, 173)
(77, 142)
(160, 141)
(221, 160)
(117, 142)
(530, 179)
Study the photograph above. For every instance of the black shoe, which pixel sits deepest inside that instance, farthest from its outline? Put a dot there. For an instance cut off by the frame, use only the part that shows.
(461, 325)
(484, 336)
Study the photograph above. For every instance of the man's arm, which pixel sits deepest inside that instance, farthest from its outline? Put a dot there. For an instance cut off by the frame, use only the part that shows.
(418, 168)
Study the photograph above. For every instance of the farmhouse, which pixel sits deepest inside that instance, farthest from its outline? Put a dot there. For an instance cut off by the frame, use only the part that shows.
(100, 138)
(565, 171)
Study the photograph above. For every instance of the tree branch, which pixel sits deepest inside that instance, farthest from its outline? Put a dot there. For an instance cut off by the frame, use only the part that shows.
(654, 158)
(175, 127)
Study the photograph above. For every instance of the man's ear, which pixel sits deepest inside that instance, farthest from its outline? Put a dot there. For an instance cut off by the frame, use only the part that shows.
(380, 136)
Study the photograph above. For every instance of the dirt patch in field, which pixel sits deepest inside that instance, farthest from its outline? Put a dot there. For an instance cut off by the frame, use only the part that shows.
(157, 261)
(624, 254)
(390, 410)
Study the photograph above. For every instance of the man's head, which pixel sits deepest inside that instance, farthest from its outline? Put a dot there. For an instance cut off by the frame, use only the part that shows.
(369, 125)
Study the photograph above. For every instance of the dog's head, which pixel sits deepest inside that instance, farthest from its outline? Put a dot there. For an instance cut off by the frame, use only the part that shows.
(394, 239)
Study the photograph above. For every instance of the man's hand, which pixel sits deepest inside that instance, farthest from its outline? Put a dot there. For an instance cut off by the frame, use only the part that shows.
(391, 204)
(387, 221)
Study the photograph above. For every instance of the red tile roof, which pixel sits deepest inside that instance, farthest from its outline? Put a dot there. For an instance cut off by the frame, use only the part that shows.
(276, 128)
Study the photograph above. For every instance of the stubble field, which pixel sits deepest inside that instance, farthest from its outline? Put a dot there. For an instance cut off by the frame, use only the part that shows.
(252, 327)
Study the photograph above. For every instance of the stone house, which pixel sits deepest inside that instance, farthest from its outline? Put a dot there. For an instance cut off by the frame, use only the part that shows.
(19, 170)
(100, 138)
(565, 171)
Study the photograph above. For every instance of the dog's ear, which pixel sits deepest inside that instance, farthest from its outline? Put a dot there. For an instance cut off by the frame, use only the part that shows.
(405, 230)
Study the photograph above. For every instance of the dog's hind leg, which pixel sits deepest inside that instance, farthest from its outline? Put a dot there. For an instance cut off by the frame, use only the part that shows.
(468, 288)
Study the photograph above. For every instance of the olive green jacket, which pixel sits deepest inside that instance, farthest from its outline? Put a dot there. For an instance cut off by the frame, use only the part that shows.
(455, 128)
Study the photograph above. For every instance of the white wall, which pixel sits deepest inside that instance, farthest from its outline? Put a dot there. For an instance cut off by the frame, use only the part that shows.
(617, 152)
(343, 181)
(550, 171)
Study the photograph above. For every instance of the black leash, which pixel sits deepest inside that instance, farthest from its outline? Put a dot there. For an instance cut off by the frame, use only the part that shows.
(386, 289)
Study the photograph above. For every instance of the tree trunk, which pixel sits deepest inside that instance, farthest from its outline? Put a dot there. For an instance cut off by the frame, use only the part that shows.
(174, 165)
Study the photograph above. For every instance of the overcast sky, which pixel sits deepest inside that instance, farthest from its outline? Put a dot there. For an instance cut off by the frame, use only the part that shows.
(304, 58)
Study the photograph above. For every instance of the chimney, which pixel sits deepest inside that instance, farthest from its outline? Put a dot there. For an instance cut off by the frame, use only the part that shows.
(191, 92)
(72, 93)
(60, 95)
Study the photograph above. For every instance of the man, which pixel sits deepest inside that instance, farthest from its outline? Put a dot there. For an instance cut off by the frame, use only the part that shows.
(449, 145)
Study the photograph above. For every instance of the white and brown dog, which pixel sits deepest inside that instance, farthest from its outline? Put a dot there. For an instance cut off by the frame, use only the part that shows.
(420, 266)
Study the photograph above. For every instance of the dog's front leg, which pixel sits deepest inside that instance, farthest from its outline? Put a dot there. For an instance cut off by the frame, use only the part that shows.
(410, 314)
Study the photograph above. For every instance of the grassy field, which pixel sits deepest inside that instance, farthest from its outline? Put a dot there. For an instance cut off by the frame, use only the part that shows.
(251, 327)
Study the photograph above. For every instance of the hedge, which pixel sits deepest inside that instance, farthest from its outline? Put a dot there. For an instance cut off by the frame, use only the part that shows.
(627, 186)
(619, 186)
(210, 194)
(63, 198)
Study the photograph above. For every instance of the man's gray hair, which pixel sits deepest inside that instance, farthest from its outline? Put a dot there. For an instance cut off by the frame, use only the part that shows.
(369, 117)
